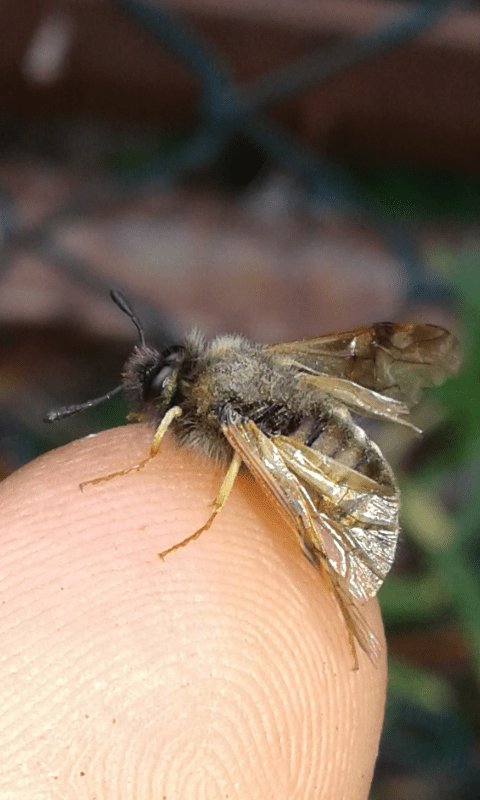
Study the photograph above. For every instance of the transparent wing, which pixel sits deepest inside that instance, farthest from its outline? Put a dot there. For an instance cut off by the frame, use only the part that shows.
(391, 359)
(360, 515)
(353, 569)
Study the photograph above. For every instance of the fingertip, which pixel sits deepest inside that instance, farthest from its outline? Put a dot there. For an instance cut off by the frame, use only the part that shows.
(227, 662)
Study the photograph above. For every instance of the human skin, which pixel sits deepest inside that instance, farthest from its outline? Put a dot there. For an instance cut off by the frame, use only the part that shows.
(223, 671)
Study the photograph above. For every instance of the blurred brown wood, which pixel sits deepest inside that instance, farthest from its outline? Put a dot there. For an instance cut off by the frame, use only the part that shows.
(418, 104)
(442, 650)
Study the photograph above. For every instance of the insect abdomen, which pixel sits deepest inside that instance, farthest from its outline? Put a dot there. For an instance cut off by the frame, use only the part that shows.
(338, 437)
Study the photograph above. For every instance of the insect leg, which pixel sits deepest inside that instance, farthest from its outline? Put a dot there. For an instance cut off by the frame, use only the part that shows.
(218, 503)
(171, 414)
(167, 420)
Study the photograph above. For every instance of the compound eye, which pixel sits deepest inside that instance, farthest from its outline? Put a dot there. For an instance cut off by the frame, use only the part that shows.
(160, 380)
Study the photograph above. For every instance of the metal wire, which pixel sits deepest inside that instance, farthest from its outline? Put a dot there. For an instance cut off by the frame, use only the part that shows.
(227, 110)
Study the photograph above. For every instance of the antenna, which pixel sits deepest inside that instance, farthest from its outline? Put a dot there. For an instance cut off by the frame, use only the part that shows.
(67, 411)
(127, 309)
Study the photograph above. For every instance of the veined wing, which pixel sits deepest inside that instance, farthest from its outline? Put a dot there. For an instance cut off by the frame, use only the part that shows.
(265, 460)
(360, 515)
(393, 359)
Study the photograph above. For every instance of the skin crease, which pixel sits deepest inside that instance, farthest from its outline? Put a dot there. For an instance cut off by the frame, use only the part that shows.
(222, 672)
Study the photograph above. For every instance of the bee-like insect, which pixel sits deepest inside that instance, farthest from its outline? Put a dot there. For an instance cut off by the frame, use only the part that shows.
(284, 411)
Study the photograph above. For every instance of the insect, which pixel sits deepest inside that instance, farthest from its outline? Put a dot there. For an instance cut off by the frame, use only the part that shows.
(285, 411)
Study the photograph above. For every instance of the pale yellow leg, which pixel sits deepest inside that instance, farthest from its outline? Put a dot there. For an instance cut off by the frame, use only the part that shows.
(219, 502)
(167, 420)
(171, 414)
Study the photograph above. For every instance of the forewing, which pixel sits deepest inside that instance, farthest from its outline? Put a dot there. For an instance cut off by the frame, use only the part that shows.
(265, 461)
(360, 515)
(319, 536)
(392, 359)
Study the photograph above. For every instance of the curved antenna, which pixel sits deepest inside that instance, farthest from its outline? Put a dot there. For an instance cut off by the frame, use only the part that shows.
(127, 309)
(67, 411)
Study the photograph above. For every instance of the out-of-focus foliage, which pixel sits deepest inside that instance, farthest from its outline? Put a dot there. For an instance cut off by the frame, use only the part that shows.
(433, 610)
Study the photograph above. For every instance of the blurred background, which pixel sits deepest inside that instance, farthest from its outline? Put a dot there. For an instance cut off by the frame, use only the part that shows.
(278, 170)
